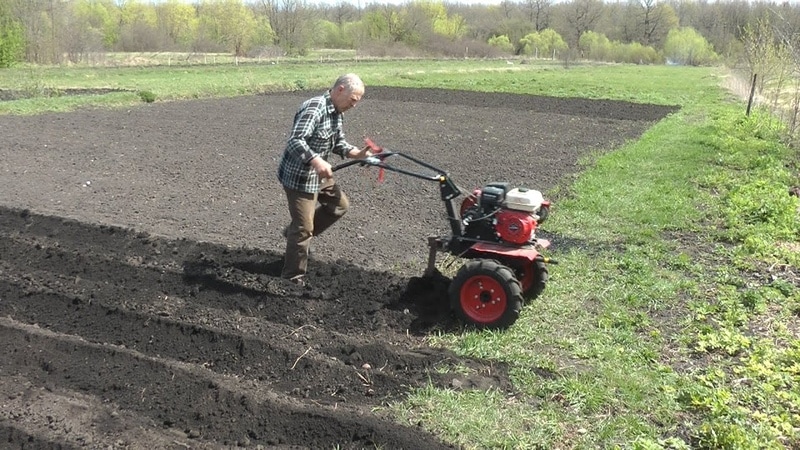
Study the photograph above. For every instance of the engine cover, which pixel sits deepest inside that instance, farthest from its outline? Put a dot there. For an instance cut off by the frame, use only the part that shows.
(516, 227)
(522, 199)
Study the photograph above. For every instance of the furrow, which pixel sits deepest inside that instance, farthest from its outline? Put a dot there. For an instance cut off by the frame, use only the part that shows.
(268, 356)
(203, 404)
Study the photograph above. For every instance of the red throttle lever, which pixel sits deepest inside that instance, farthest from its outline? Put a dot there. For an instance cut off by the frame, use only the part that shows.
(375, 149)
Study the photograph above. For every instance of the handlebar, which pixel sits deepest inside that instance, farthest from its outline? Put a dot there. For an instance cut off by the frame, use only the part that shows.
(379, 160)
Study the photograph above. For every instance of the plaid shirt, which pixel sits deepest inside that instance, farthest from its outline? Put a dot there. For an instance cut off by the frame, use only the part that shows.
(317, 131)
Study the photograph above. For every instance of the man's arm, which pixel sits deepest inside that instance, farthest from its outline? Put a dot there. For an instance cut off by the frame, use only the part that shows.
(347, 150)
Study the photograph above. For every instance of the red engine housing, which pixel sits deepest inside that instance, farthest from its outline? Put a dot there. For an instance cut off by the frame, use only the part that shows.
(515, 226)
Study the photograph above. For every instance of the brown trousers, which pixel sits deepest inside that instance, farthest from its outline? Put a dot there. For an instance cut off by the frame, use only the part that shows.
(311, 215)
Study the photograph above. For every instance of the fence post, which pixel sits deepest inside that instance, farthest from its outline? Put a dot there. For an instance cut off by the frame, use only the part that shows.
(752, 93)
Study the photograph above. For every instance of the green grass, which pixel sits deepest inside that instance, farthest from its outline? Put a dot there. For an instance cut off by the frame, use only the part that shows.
(633, 83)
(671, 320)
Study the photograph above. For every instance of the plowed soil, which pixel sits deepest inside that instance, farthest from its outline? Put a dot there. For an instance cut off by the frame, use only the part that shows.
(139, 252)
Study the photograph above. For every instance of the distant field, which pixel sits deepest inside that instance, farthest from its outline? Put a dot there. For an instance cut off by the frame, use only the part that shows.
(39, 89)
(267, 56)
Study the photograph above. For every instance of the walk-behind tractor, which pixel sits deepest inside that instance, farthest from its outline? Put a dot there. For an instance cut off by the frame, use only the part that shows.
(494, 230)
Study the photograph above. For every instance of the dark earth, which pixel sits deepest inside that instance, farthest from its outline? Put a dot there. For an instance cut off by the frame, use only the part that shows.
(139, 251)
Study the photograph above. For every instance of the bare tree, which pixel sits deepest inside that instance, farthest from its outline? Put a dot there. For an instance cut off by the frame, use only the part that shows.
(783, 45)
(508, 8)
(538, 12)
(581, 16)
(341, 13)
(291, 20)
(42, 21)
(647, 22)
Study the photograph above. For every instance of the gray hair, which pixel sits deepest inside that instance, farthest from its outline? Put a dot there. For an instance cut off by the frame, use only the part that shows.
(350, 81)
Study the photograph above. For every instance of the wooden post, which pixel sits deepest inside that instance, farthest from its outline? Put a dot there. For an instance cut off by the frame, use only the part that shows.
(752, 93)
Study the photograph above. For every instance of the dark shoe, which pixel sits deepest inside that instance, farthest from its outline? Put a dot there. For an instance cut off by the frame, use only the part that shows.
(299, 282)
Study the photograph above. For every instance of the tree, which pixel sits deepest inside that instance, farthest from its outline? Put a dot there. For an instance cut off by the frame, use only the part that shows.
(581, 16)
(177, 21)
(761, 50)
(375, 26)
(538, 12)
(139, 27)
(331, 35)
(595, 46)
(652, 21)
(335, 30)
(291, 21)
(12, 38)
(229, 23)
(95, 23)
(508, 8)
(515, 28)
(435, 14)
(392, 24)
(41, 22)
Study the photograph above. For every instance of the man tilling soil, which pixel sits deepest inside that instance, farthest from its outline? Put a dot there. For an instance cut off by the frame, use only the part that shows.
(315, 200)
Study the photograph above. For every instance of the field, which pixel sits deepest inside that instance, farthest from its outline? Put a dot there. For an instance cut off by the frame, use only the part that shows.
(141, 250)
(140, 243)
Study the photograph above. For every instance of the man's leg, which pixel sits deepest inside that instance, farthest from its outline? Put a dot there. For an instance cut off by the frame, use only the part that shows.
(299, 233)
(333, 204)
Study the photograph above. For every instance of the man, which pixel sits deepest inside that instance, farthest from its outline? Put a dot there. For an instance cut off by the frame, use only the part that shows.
(315, 200)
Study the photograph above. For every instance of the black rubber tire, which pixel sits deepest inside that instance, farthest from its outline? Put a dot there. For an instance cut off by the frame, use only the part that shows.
(486, 294)
(537, 271)
(540, 277)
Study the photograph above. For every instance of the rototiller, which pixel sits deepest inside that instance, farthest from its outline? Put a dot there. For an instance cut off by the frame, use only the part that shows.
(495, 230)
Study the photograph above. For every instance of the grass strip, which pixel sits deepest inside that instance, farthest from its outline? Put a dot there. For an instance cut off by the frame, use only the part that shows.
(672, 318)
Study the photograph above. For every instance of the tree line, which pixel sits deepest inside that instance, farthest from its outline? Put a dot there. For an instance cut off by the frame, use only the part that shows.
(638, 31)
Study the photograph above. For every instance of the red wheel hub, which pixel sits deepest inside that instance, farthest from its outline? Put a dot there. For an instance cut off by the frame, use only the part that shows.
(483, 299)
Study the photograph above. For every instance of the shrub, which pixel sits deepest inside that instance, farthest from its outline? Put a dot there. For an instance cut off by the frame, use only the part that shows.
(542, 44)
(501, 42)
(687, 46)
(147, 96)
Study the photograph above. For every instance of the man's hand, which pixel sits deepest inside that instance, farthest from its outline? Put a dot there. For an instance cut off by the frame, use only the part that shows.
(359, 153)
(322, 167)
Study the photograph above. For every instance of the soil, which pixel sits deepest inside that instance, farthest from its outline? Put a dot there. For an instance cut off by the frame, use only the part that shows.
(140, 304)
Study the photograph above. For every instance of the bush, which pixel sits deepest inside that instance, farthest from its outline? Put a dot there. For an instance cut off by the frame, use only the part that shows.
(502, 43)
(147, 96)
(542, 44)
(687, 46)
